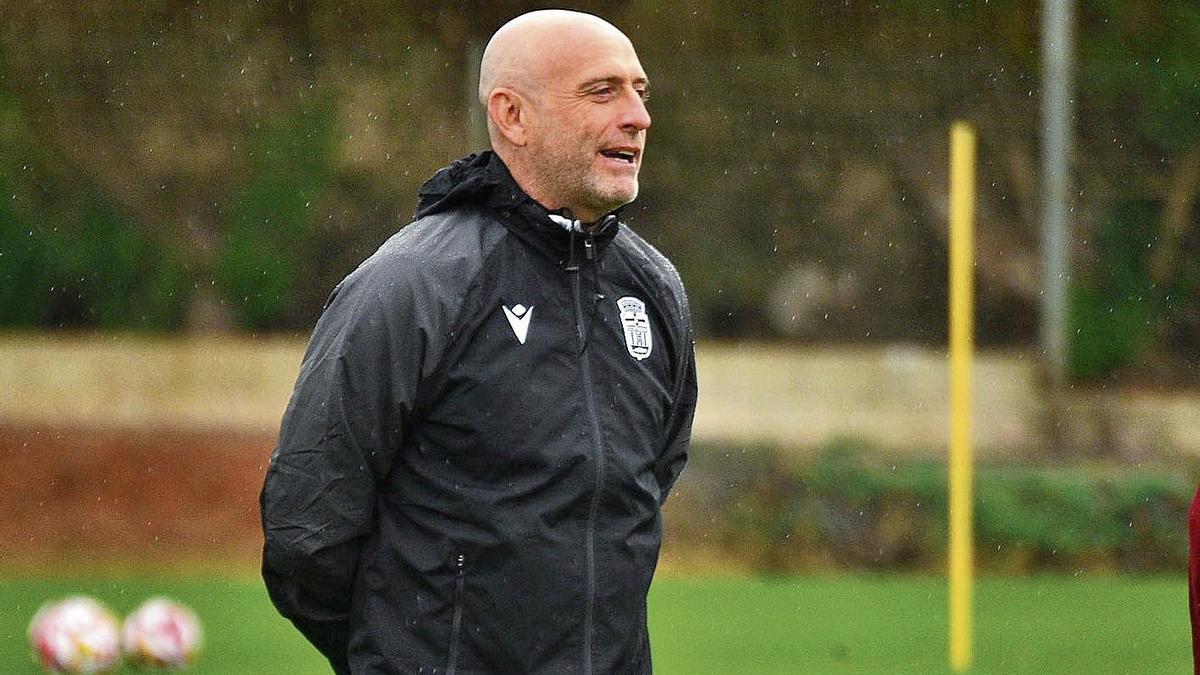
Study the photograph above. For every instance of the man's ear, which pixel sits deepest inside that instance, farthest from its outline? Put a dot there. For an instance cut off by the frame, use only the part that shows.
(507, 111)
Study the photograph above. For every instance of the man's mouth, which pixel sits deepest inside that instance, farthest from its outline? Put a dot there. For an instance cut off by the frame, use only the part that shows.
(629, 155)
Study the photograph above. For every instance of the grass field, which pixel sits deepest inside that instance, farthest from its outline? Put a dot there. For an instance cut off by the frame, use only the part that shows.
(843, 624)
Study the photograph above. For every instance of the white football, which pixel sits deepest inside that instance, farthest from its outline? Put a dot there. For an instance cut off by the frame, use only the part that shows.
(76, 635)
(162, 634)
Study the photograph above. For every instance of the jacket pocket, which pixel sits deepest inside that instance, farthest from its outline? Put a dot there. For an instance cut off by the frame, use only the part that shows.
(460, 580)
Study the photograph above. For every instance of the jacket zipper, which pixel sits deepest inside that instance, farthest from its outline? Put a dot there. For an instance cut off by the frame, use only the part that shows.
(597, 450)
(460, 575)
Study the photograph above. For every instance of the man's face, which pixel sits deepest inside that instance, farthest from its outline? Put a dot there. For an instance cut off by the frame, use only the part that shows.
(587, 129)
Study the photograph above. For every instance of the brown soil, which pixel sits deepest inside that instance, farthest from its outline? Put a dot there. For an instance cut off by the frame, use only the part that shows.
(111, 502)
(108, 498)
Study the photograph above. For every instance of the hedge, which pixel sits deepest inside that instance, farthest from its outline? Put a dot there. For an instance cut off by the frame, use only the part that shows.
(850, 508)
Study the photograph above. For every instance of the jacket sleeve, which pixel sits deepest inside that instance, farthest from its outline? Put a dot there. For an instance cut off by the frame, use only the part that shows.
(338, 438)
(679, 424)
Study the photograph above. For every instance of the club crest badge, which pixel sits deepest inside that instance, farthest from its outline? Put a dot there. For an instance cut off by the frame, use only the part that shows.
(638, 340)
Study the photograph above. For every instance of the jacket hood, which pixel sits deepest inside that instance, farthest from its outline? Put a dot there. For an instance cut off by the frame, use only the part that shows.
(480, 180)
(484, 180)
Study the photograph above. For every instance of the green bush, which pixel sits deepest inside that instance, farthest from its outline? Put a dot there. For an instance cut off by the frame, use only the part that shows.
(271, 218)
(89, 267)
(851, 508)
(69, 256)
(1115, 313)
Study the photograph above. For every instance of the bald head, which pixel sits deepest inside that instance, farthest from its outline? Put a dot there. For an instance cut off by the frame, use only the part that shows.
(565, 97)
(522, 54)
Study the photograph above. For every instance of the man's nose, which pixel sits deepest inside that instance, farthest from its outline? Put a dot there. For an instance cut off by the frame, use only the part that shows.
(635, 117)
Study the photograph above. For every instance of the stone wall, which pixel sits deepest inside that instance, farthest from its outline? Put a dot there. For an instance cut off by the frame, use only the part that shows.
(893, 396)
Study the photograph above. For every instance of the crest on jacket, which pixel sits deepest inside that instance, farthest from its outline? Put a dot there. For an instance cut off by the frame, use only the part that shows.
(638, 339)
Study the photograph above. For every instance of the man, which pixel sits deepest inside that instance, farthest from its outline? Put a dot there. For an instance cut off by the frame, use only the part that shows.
(494, 406)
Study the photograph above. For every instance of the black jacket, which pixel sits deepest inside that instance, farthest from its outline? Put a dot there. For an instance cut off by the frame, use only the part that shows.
(491, 411)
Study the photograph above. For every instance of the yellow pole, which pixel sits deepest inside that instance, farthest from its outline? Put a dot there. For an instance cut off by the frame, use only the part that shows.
(962, 215)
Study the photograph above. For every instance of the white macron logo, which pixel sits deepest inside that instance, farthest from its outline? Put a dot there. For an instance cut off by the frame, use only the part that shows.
(518, 318)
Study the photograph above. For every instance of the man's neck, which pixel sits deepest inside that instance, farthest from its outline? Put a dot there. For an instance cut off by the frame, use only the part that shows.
(527, 181)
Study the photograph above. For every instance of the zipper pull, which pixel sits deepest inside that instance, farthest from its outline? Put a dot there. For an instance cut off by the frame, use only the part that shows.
(572, 263)
(589, 248)
(460, 564)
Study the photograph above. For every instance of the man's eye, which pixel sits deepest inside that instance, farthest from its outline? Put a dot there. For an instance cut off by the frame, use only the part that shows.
(603, 91)
(644, 94)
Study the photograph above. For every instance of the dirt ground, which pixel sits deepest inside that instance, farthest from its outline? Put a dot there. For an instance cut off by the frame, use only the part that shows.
(100, 498)
(105, 501)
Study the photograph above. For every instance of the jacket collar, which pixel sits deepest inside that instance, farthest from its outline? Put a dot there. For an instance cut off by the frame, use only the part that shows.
(484, 180)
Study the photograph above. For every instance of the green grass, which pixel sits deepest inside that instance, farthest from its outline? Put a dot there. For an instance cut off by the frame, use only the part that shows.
(842, 624)
(897, 624)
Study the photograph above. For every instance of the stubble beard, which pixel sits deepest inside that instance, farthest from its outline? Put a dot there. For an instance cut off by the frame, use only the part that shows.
(603, 194)
(577, 183)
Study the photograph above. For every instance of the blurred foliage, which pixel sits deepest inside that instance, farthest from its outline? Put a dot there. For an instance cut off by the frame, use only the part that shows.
(92, 269)
(272, 219)
(75, 260)
(1139, 61)
(852, 508)
(1116, 313)
(795, 170)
